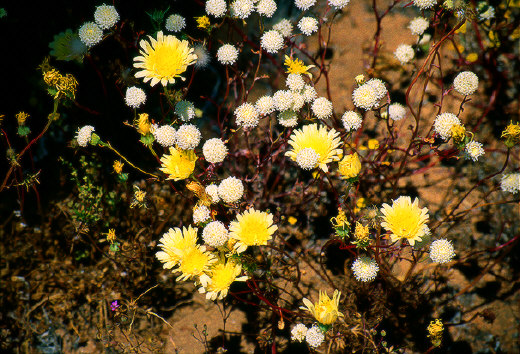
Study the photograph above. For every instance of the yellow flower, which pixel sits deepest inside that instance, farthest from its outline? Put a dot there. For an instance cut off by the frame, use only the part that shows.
(458, 133)
(325, 143)
(174, 244)
(194, 262)
(405, 219)
(179, 164)
(511, 134)
(472, 57)
(118, 167)
(252, 228)
(292, 220)
(373, 144)
(164, 59)
(361, 233)
(325, 311)
(143, 124)
(340, 221)
(203, 22)
(217, 281)
(21, 118)
(435, 330)
(360, 79)
(296, 66)
(111, 235)
(350, 166)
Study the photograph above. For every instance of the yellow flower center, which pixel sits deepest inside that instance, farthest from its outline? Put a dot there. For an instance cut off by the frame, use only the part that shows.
(194, 262)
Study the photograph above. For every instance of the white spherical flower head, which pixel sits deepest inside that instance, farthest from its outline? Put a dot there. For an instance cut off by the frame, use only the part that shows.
(295, 82)
(185, 110)
(298, 101)
(322, 108)
(203, 57)
(265, 105)
(418, 25)
(230, 190)
(404, 53)
(474, 150)
(304, 4)
(466, 83)
(242, 8)
(106, 16)
(135, 97)
(227, 54)
(216, 8)
(365, 96)
(165, 135)
(84, 135)
(288, 119)
(307, 158)
(379, 87)
(425, 39)
(201, 213)
(266, 8)
(314, 337)
(510, 183)
(175, 23)
(271, 41)
(424, 4)
(443, 124)
(309, 93)
(285, 27)
(365, 269)
(90, 34)
(247, 116)
(338, 4)
(351, 121)
(283, 100)
(441, 251)
(214, 150)
(298, 332)
(215, 234)
(396, 111)
(187, 137)
(308, 25)
(212, 191)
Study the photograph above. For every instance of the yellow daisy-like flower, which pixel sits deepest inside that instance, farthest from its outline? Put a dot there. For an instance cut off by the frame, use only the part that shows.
(194, 263)
(252, 228)
(163, 59)
(325, 143)
(296, 66)
(350, 166)
(405, 219)
(174, 244)
(203, 22)
(179, 164)
(217, 282)
(325, 311)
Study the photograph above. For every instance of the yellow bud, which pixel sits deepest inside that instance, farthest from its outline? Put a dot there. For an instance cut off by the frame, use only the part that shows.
(350, 166)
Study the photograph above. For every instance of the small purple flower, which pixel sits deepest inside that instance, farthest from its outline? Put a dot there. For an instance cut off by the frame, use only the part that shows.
(114, 305)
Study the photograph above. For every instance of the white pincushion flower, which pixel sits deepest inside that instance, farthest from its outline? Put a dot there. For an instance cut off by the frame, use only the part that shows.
(242, 8)
(201, 213)
(474, 150)
(84, 135)
(187, 137)
(266, 8)
(309, 93)
(135, 97)
(271, 41)
(307, 158)
(510, 183)
(230, 190)
(441, 251)
(351, 121)
(265, 105)
(365, 96)
(288, 119)
(365, 269)
(284, 27)
(304, 4)
(247, 116)
(106, 16)
(425, 39)
(90, 34)
(203, 57)
(443, 124)
(298, 332)
(308, 25)
(215, 234)
(298, 101)
(227, 54)
(322, 108)
(212, 191)
(379, 87)
(175, 23)
(283, 100)
(216, 8)
(314, 337)
(214, 150)
(466, 83)
(396, 111)
(295, 82)
(418, 25)
(338, 4)
(185, 110)
(165, 135)
(404, 53)
(424, 4)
